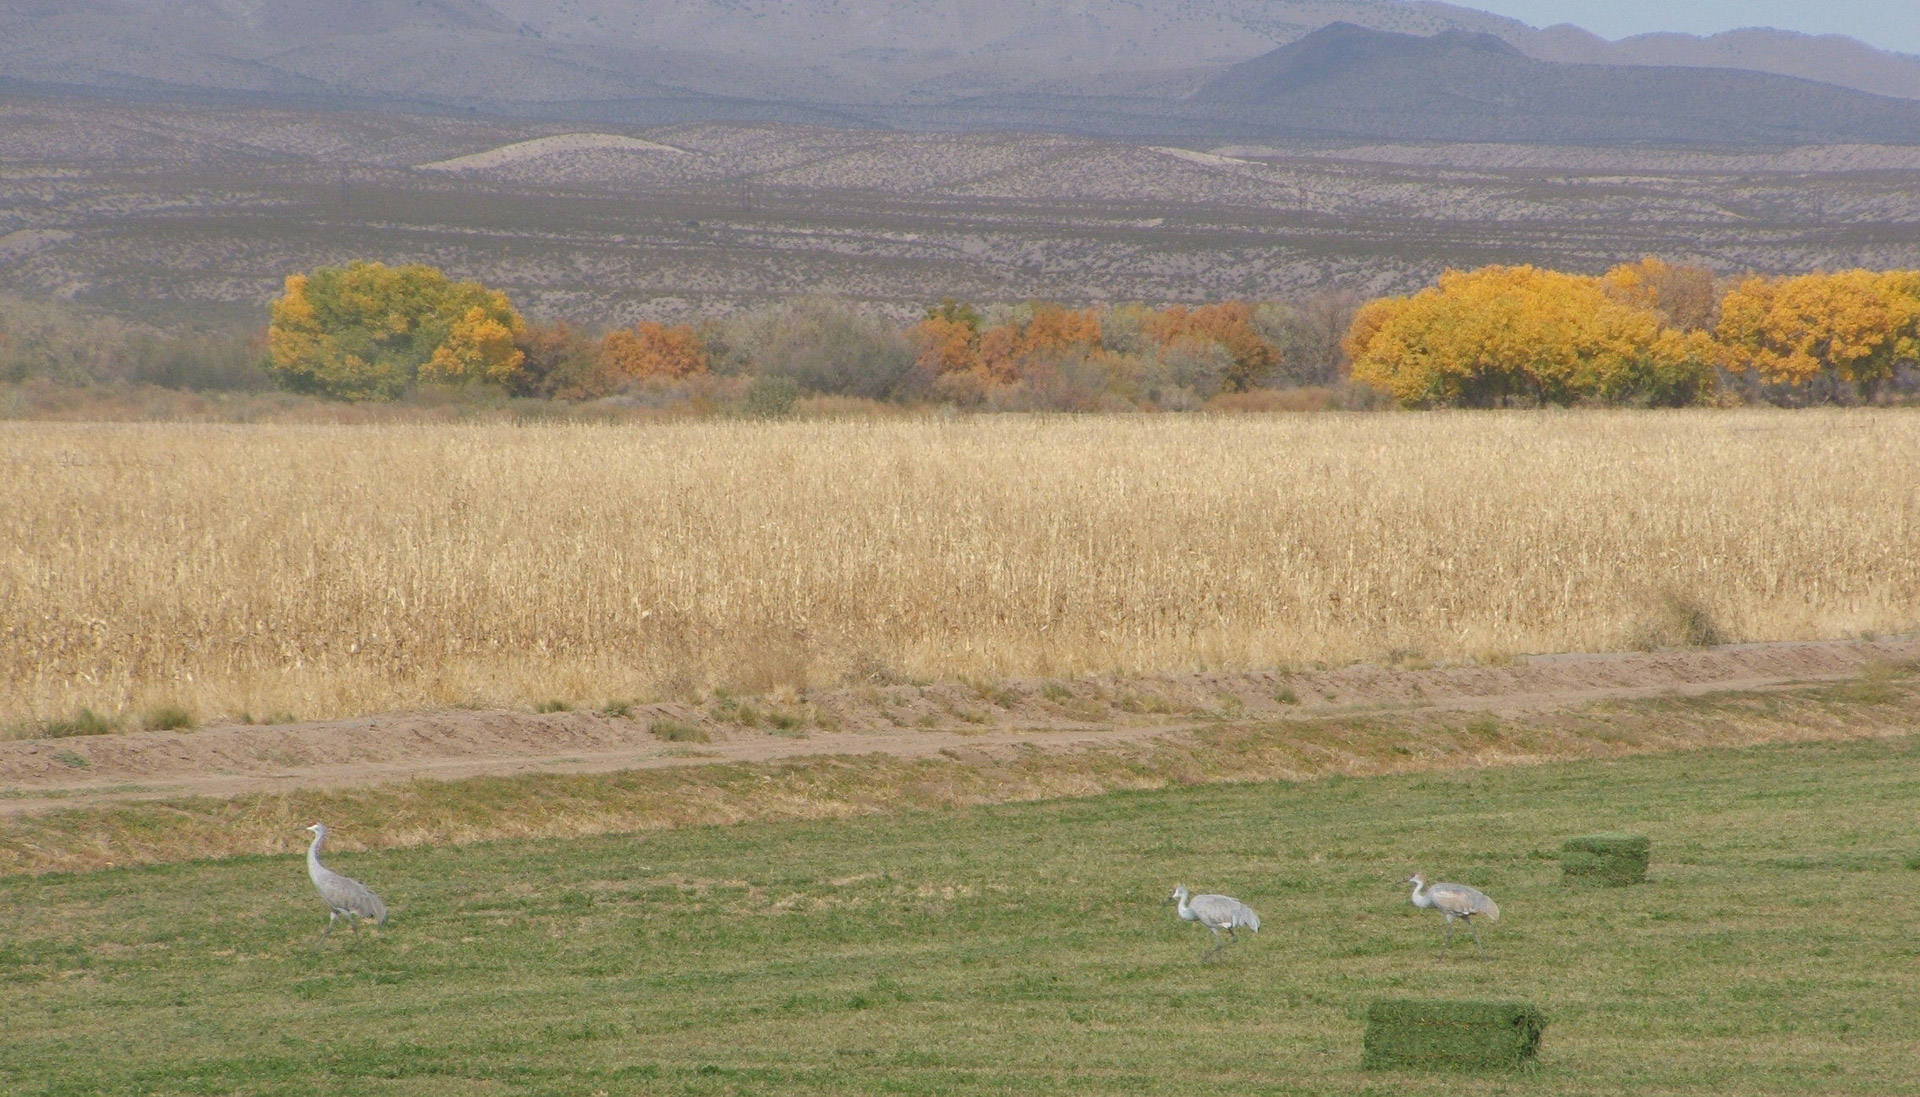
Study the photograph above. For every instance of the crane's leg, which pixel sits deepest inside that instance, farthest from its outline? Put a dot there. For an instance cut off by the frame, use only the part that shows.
(332, 917)
(1217, 946)
(1448, 942)
(1476, 938)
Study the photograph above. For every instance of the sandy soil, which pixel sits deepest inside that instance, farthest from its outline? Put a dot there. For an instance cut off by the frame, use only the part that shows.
(905, 720)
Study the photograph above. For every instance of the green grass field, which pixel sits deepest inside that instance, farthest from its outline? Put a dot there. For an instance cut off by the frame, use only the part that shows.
(1023, 948)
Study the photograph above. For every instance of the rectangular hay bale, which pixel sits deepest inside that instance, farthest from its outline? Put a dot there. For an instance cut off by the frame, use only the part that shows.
(1444, 1034)
(1611, 859)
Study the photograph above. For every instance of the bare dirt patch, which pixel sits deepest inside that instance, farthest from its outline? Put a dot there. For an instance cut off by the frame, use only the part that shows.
(955, 720)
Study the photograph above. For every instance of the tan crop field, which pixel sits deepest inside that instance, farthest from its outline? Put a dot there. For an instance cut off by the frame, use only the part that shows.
(329, 571)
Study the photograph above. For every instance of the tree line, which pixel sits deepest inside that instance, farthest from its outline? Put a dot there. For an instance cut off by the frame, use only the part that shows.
(1645, 333)
(367, 331)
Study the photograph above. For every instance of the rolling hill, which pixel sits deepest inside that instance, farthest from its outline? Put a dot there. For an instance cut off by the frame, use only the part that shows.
(1346, 81)
(1111, 67)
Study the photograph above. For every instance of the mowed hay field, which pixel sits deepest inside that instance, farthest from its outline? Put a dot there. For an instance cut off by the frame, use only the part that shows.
(1023, 948)
(328, 571)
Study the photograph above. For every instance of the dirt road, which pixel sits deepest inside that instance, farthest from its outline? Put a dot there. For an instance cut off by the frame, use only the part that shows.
(903, 720)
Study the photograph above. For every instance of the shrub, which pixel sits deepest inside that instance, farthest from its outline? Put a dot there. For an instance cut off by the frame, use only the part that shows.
(1437, 1034)
(771, 398)
(673, 731)
(167, 718)
(1678, 620)
(1614, 860)
(88, 722)
(69, 345)
(552, 706)
(823, 346)
(280, 716)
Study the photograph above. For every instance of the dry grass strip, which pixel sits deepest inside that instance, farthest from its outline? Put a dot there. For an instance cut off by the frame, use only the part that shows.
(1884, 703)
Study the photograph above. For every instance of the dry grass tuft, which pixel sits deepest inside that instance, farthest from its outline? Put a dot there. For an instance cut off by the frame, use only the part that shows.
(341, 570)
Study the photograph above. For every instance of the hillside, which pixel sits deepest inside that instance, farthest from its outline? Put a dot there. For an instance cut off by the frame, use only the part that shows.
(1115, 67)
(186, 211)
(1345, 80)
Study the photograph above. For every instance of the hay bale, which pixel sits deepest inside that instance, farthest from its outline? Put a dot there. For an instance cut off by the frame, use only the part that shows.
(1614, 860)
(1440, 1034)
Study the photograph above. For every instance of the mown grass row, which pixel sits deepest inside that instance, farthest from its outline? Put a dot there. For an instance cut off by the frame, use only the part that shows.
(1022, 948)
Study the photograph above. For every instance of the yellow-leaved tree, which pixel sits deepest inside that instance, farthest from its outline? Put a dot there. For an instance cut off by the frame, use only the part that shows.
(1500, 335)
(1686, 295)
(366, 331)
(1851, 326)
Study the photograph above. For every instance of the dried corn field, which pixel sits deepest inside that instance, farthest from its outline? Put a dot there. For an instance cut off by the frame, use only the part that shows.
(331, 571)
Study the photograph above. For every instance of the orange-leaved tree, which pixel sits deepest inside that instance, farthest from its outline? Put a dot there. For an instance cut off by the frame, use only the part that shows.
(1229, 326)
(946, 341)
(649, 349)
(1502, 334)
(1852, 326)
(367, 331)
(967, 360)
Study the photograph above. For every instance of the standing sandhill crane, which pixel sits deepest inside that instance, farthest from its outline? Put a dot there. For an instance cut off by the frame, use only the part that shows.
(343, 895)
(1455, 901)
(1216, 912)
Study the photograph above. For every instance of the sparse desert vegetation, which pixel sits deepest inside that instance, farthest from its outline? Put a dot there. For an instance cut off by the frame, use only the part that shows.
(206, 213)
(328, 571)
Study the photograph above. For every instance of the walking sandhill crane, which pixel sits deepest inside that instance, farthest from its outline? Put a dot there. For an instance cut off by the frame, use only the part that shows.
(1216, 912)
(1455, 901)
(344, 896)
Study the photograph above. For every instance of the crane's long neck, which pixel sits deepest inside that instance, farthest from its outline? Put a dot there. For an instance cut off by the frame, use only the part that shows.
(1186, 912)
(1420, 896)
(313, 854)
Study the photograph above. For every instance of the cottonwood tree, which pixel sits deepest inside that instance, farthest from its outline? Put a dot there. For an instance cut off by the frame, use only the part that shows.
(368, 331)
(1850, 327)
(1501, 335)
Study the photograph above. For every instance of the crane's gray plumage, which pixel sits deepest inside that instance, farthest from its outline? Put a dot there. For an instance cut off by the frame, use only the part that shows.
(1216, 912)
(1455, 901)
(344, 896)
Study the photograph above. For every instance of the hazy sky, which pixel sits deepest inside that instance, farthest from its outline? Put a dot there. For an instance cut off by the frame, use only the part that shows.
(1889, 24)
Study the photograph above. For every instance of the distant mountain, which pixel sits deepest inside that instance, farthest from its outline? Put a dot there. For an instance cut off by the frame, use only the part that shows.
(1828, 58)
(1120, 67)
(1349, 81)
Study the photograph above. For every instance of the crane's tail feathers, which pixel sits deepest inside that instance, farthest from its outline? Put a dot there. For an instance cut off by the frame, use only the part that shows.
(1492, 913)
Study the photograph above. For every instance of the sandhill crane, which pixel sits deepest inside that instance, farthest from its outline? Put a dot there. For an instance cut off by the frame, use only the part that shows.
(1455, 901)
(343, 895)
(1216, 912)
